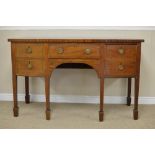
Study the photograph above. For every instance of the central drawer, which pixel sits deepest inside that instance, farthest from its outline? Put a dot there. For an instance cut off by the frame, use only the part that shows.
(73, 50)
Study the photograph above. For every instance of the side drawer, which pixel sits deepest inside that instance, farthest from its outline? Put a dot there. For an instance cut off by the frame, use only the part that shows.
(121, 51)
(29, 50)
(118, 68)
(30, 67)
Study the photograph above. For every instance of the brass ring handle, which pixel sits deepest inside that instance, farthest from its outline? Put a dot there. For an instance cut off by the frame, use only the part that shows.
(29, 66)
(121, 51)
(60, 50)
(121, 67)
(29, 50)
(88, 51)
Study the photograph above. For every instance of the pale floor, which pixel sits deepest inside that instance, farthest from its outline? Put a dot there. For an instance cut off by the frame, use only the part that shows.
(75, 116)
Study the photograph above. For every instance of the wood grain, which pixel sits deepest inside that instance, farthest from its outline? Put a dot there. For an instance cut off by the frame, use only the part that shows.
(36, 50)
(38, 67)
(74, 50)
(128, 52)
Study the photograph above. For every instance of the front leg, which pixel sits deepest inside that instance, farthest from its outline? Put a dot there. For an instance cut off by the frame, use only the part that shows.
(135, 110)
(15, 107)
(47, 93)
(27, 96)
(101, 112)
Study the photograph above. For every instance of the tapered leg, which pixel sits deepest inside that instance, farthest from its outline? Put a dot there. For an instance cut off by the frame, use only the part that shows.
(101, 112)
(135, 110)
(129, 92)
(47, 92)
(15, 107)
(27, 96)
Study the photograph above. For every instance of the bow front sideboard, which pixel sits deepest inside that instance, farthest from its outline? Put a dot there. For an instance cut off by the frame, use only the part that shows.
(110, 58)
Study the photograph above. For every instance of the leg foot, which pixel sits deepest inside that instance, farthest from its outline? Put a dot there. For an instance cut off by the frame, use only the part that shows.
(48, 114)
(27, 99)
(101, 116)
(135, 114)
(128, 101)
(16, 111)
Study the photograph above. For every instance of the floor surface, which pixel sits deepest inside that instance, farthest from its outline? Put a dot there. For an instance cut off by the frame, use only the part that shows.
(75, 116)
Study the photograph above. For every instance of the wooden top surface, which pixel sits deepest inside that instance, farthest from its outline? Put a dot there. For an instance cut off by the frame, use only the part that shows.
(76, 40)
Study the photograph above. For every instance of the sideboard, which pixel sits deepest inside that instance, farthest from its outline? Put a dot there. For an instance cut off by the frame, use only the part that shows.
(110, 58)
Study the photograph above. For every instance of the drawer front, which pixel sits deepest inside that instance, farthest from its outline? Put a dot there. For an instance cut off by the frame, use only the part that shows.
(74, 50)
(116, 67)
(30, 67)
(29, 50)
(121, 51)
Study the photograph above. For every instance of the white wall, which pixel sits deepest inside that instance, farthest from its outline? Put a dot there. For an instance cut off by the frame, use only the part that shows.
(80, 82)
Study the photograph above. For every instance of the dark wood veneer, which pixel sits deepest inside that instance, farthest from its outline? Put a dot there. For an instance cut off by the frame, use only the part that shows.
(132, 41)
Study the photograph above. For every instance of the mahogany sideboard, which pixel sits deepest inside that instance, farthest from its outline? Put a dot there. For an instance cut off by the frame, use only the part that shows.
(113, 58)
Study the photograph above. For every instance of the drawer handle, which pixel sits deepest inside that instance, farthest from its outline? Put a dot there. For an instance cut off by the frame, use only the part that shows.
(121, 67)
(60, 50)
(29, 66)
(88, 51)
(121, 51)
(29, 50)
